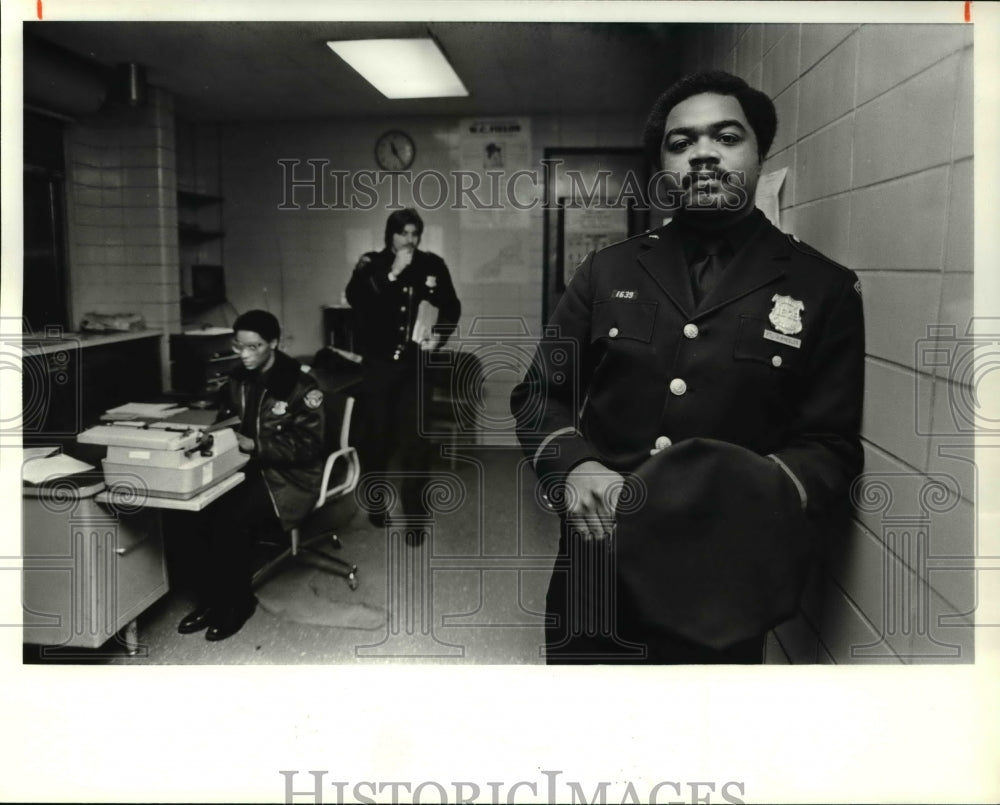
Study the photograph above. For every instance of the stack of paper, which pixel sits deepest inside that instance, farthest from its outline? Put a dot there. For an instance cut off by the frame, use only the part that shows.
(37, 470)
(135, 410)
(423, 327)
(210, 331)
(29, 453)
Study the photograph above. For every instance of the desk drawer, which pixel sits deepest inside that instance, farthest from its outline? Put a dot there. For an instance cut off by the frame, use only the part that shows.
(140, 566)
(88, 571)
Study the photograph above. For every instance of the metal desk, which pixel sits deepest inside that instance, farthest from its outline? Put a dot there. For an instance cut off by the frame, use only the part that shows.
(94, 559)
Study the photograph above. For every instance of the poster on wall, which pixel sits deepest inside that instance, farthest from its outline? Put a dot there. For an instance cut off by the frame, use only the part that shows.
(491, 153)
(586, 229)
(767, 199)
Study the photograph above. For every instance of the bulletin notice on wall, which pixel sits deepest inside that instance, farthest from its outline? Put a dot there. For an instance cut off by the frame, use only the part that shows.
(492, 151)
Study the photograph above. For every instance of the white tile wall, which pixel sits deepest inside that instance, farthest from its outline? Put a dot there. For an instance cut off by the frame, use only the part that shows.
(875, 126)
(921, 112)
(823, 161)
(818, 40)
(122, 233)
(898, 306)
(959, 245)
(902, 51)
(900, 224)
(827, 91)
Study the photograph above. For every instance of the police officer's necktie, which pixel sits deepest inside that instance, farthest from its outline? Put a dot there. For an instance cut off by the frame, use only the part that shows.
(707, 266)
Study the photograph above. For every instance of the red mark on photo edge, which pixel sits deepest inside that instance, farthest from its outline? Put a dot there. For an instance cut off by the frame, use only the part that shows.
(968, 9)
(39, 9)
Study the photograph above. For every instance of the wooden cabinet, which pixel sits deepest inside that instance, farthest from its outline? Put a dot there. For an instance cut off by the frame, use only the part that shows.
(201, 363)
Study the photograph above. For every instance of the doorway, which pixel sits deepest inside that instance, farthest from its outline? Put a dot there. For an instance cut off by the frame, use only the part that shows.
(593, 197)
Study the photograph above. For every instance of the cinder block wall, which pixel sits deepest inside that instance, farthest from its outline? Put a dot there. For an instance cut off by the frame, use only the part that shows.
(121, 190)
(876, 130)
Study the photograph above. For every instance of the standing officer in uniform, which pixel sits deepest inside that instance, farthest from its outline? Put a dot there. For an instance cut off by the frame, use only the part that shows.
(708, 419)
(282, 428)
(392, 293)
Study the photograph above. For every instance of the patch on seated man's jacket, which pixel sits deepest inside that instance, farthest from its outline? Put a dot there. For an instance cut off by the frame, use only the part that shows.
(314, 399)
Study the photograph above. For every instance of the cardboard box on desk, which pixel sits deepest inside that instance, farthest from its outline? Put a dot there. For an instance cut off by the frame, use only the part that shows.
(171, 462)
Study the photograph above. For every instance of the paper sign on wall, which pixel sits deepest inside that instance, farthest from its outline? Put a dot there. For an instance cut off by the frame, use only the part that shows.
(768, 187)
(494, 151)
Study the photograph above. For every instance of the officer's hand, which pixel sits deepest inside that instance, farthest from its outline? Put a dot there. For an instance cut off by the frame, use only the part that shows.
(592, 495)
(403, 258)
(246, 444)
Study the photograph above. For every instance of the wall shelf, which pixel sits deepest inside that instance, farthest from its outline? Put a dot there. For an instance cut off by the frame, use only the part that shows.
(193, 198)
(192, 233)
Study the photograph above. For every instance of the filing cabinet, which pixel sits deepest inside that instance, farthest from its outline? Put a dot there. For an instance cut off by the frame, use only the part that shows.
(89, 569)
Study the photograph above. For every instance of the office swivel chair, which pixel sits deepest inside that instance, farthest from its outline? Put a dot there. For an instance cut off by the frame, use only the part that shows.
(340, 478)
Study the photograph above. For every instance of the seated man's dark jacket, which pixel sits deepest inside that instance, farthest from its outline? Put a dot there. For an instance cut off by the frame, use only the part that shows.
(288, 431)
(600, 387)
(385, 310)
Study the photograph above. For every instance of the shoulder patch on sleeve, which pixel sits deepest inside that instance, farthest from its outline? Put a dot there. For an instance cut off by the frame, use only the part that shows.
(857, 287)
(314, 398)
(365, 260)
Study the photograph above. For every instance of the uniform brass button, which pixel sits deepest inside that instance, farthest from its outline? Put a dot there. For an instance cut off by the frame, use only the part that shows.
(613, 332)
(690, 330)
(402, 308)
(776, 361)
(662, 442)
(678, 387)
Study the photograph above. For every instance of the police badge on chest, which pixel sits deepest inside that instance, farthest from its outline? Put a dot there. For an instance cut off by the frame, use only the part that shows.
(786, 318)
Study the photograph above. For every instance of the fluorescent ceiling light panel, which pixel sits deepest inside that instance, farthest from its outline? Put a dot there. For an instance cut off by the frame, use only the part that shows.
(402, 68)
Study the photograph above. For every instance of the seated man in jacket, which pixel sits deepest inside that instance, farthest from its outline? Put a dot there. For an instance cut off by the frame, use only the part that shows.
(282, 429)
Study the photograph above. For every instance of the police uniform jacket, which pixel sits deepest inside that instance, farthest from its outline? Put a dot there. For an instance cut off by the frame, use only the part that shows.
(287, 425)
(766, 372)
(385, 309)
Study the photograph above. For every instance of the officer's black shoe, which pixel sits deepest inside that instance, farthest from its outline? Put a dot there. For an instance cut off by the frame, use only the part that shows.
(227, 621)
(195, 621)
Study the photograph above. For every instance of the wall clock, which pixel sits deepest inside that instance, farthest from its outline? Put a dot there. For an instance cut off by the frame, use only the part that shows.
(395, 151)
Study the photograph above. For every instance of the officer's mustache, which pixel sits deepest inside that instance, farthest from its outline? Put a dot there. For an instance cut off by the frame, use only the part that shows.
(731, 178)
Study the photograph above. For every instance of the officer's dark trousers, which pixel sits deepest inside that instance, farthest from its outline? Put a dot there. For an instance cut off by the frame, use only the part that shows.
(590, 618)
(393, 409)
(229, 527)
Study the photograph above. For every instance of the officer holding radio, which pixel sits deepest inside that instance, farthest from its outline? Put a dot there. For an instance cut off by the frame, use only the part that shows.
(709, 420)
(404, 302)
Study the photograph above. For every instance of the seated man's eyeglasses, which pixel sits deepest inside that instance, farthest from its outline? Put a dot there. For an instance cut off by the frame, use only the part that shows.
(253, 349)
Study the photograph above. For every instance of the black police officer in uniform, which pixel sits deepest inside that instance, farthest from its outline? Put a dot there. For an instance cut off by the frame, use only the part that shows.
(386, 291)
(280, 408)
(709, 419)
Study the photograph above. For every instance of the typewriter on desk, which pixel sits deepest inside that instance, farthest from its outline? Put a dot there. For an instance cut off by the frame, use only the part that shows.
(170, 458)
